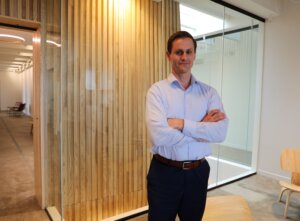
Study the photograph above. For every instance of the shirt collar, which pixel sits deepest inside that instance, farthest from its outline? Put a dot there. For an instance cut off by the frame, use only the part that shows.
(172, 79)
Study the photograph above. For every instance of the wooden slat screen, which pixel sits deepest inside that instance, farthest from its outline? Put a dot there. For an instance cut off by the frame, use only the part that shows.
(21, 9)
(112, 51)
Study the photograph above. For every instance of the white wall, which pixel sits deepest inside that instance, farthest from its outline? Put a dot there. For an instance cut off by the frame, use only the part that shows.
(10, 89)
(280, 116)
(16, 88)
(27, 90)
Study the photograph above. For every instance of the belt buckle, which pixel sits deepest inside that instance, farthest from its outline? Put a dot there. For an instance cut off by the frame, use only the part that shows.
(184, 165)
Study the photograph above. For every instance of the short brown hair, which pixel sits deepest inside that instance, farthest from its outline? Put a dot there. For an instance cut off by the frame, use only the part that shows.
(177, 35)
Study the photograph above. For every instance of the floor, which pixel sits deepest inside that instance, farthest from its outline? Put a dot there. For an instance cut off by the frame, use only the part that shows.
(17, 199)
(261, 193)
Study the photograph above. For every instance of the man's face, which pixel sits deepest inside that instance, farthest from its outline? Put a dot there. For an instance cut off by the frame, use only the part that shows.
(182, 56)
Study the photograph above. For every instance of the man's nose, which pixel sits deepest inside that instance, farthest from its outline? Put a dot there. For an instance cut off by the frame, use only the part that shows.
(183, 56)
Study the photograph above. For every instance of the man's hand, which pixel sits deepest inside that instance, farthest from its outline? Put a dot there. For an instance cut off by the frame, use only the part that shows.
(176, 123)
(214, 115)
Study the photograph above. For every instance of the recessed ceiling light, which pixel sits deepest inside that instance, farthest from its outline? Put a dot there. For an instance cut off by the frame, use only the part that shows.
(11, 38)
(53, 43)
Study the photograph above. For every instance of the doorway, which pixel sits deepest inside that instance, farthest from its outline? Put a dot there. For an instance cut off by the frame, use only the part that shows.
(20, 182)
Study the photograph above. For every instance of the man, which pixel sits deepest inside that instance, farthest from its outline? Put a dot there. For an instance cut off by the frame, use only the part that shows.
(183, 116)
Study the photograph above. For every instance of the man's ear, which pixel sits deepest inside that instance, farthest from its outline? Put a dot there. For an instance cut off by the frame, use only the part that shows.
(168, 55)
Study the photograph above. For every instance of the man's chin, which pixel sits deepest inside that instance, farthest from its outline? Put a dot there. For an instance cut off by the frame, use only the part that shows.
(184, 71)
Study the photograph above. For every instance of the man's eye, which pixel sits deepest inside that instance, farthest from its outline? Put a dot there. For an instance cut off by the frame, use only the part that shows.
(179, 52)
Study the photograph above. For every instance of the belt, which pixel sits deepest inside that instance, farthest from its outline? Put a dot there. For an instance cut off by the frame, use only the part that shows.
(185, 165)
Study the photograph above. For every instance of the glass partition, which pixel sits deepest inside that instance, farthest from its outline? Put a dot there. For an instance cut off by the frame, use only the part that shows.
(227, 59)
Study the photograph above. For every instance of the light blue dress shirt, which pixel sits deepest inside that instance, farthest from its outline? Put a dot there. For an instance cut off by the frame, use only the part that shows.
(168, 99)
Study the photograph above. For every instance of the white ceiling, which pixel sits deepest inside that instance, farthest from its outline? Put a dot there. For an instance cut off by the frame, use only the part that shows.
(263, 8)
(14, 55)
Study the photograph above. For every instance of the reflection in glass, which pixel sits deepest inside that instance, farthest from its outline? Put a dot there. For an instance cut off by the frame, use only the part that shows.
(227, 60)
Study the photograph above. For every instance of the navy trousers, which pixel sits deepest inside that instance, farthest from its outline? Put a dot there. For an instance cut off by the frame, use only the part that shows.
(173, 191)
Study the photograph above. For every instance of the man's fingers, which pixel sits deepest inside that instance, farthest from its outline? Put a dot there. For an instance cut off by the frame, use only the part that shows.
(214, 116)
(220, 116)
(213, 112)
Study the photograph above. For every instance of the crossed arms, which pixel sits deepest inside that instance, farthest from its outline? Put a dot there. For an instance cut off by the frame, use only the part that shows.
(214, 115)
(170, 132)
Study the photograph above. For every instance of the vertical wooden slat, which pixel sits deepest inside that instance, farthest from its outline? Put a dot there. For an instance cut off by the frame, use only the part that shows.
(127, 73)
(27, 9)
(50, 131)
(88, 87)
(36, 117)
(132, 69)
(30, 16)
(63, 105)
(77, 212)
(14, 8)
(7, 8)
(110, 107)
(106, 177)
(35, 9)
(19, 9)
(57, 102)
(94, 103)
(99, 66)
(138, 109)
(2, 7)
(145, 85)
(70, 173)
(115, 114)
(76, 91)
(23, 9)
(38, 10)
(120, 102)
(82, 109)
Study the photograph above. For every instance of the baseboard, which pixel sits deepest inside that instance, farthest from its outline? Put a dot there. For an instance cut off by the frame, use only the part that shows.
(128, 215)
(53, 213)
(273, 175)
